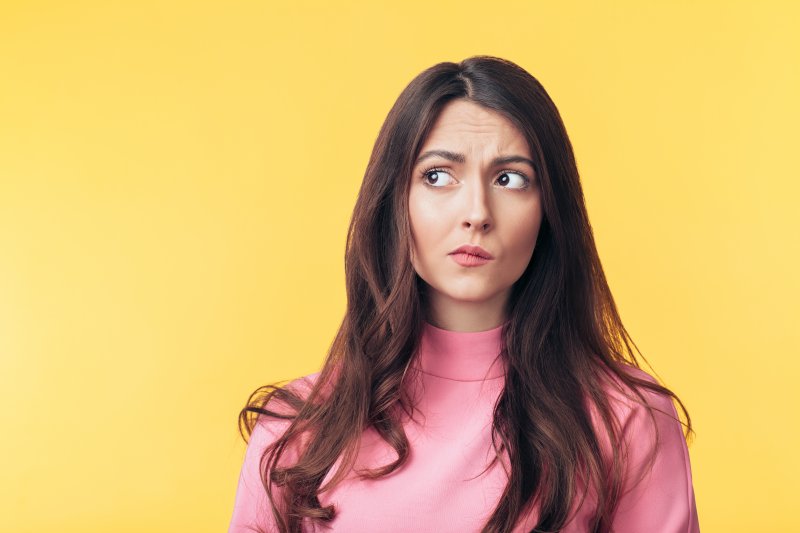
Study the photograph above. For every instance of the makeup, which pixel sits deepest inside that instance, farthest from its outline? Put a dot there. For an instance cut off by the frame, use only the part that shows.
(469, 260)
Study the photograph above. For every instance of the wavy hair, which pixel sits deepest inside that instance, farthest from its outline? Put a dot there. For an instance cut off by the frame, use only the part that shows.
(564, 337)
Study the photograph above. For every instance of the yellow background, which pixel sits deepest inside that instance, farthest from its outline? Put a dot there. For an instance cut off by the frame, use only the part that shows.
(176, 180)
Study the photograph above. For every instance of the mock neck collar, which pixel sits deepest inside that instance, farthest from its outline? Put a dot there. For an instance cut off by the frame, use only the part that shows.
(461, 355)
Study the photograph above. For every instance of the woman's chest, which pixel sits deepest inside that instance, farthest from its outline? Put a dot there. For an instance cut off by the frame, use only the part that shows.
(453, 478)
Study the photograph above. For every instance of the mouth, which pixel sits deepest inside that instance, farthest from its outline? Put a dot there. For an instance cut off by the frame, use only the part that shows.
(469, 260)
(472, 250)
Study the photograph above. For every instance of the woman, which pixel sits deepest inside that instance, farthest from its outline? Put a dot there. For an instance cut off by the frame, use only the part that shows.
(481, 379)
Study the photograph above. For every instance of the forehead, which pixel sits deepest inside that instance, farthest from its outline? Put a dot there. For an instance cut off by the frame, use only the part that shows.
(465, 122)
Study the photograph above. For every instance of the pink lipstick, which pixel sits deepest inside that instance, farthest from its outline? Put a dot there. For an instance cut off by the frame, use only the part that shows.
(469, 255)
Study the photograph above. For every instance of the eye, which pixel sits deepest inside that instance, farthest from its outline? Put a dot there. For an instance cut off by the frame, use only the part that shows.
(435, 177)
(507, 175)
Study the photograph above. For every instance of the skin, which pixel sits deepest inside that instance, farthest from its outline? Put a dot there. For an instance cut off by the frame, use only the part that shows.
(472, 202)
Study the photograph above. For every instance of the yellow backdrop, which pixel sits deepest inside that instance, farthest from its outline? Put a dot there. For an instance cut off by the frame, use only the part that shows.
(176, 180)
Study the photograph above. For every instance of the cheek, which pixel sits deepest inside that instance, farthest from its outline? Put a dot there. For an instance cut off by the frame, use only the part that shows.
(428, 229)
(523, 237)
(420, 239)
(416, 217)
(419, 216)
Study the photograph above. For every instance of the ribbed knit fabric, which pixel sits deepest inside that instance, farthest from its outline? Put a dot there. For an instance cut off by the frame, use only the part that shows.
(445, 486)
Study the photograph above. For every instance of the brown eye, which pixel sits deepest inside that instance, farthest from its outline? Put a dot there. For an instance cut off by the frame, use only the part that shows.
(508, 177)
(435, 177)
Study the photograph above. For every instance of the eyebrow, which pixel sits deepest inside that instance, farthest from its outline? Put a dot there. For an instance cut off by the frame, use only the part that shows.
(460, 158)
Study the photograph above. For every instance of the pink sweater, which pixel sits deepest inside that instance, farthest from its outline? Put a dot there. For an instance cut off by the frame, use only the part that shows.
(439, 489)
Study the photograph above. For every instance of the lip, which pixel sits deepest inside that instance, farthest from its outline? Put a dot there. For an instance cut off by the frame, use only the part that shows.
(472, 250)
(469, 260)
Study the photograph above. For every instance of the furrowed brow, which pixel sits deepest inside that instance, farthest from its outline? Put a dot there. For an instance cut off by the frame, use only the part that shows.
(446, 154)
(513, 159)
(460, 158)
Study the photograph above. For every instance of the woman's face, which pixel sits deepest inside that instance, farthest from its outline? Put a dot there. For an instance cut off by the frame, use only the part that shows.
(463, 193)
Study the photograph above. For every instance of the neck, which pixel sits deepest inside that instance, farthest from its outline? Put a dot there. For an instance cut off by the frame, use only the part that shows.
(462, 355)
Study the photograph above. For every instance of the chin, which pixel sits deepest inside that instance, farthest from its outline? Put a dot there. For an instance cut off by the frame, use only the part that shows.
(468, 294)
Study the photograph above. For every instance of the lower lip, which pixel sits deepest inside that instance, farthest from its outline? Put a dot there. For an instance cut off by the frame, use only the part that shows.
(469, 260)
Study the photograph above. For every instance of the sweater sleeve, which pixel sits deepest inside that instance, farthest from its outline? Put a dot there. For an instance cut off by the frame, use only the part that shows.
(661, 499)
(251, 509)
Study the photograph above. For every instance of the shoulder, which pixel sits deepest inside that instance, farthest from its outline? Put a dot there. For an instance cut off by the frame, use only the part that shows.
(283, 403)
(251, 505)
(645, 419)
(657, 492)
(630, 402)
(648, 423)
(302, 385)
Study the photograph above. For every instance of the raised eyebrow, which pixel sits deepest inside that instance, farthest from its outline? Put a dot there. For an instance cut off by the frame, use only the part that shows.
(513, 159)
(446, 154)
(460, 158)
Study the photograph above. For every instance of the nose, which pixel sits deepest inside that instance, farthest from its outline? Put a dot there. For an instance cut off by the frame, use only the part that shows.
(478, 216)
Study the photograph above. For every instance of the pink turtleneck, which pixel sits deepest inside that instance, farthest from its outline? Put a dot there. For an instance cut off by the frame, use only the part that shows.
(456, 379)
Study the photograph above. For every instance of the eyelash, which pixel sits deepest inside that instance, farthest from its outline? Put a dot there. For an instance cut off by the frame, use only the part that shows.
(439, 169)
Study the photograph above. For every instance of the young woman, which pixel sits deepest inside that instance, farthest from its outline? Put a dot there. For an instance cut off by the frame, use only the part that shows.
(482, 379)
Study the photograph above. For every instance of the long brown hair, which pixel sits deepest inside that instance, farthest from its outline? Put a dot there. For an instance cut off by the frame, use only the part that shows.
(563, 337)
